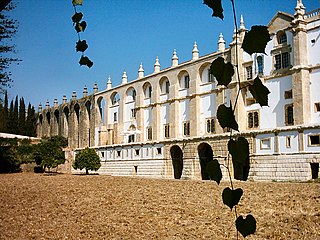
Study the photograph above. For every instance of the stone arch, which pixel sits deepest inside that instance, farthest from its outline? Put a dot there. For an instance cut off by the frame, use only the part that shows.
(204, 72)
(88, 107)
(147, 90)
(77, 111)
(101, 107)
(205, 155)
(164, 85)
(177, 161)
(48, 117)
(115, 98)
(40, 119)
(65, 122)
(131, 94)
(56, 115)
(184, 79)
(56, 122)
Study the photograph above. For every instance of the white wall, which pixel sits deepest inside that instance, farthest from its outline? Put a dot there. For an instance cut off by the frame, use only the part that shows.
(313, 48)
(260, 137)
(306, 134)
(282, 140)
(315, 95)
(208, 109)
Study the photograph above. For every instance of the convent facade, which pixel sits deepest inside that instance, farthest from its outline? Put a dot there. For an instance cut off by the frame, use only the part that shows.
(164, 124)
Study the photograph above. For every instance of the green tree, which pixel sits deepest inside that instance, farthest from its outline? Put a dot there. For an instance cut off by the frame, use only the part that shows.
(22, 117)
(87, 159)
(2, 119)
(10, 118)
(30, 127)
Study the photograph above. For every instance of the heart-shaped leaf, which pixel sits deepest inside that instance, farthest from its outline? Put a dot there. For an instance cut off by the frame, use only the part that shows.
(222, 71)
(77, 17)
(239, 150)
(246, 226)
(214, 170)
(77, 2)
(255, 41)
(231, 197)
(80, 27)
(216, 6)
(259, 92)
(81, 46)
(85, 61)
(226, 117)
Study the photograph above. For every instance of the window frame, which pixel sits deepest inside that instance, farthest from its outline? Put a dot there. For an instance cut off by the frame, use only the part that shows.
(286, 120)
(166, 129)
(186, 128)
(253, 122)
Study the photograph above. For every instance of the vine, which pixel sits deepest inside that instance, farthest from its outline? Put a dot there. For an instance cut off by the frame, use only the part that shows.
(80, 26)
(254, 41)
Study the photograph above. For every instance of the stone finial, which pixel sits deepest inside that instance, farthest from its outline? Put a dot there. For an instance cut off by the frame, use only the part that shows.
(74, 95)
(221, 43)
(64, 99)
(242, 27)
(85, 91)
(109, 83)
(141, 71)
(157, 65)
(95, 88)
(55, 102)
(175, 59)
(47, 104)
(124, 77)
(299, 10)
(40, 107)
(195, 51)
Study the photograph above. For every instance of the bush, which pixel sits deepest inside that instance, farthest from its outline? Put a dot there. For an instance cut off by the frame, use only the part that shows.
(87, 159)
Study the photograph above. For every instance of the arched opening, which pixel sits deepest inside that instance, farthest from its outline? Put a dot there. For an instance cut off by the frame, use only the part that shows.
(77, 111)
(205, 155)
(164, 85)
(282, 37)
(131, 95)
(48, 115)
(177, 161)
(101, 105)
(88, 107)
(40, 119)
(147, 90)
(115, 98)
(205, 75)
(56, 114)
(184, 79)
(65, 122)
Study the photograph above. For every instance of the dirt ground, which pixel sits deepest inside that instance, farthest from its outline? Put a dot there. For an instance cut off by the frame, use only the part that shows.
(64, 206)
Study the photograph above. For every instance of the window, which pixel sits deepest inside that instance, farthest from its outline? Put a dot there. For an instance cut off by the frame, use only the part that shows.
(115, 115)
(167, 87)
(186, 129)
(134, 95)
(282, 61)
(265, 144)
(282, 38)
(137, 151)
(260, 64)
(285, 59)
(288, 94)
(289, 114)
(277, 61)
(131, 138)
(149, 91)
(186, 81)
(147, 151)
(210, 127)
(118, 153)
(210, 77)
(288, 142)
(102, 154)
(133, 113)
(249, 72)
(253, 119)
(317, 107)
(166, 131)
(149, 133)
(314, 140)
(159, 150)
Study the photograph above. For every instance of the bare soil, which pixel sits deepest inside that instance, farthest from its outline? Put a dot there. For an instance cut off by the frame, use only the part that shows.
(64, 206)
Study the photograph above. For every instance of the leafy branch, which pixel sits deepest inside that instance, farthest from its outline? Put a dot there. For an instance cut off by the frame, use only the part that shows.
(80, 26)
(254, 41)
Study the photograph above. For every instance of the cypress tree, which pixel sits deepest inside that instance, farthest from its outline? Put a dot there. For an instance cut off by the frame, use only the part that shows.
(30, 122)
(22, 117)
(15, 116)
(10, 120)
(1, 118)
(5, 113)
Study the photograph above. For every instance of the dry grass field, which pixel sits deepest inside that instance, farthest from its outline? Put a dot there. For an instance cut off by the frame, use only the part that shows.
(63, 206)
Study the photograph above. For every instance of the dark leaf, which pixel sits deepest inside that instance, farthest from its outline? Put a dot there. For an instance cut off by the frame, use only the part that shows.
(246, 226)
(223, 72)
(255, 41)
(77, 2)
(231, 197)
(259, 92)
(239, 150)
(81, 46)
(85, 61)
(214, 171)
(77, 17)
(80, 27)
(226, 117)
(216, 6)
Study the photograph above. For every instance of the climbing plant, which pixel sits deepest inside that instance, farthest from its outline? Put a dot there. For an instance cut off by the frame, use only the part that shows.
(254, 41)
(80, 26)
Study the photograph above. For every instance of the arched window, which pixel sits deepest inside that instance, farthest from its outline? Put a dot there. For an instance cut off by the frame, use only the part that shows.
(260, 64)
(164, 85)
(115, 99)
(282, 37)
(147, 90)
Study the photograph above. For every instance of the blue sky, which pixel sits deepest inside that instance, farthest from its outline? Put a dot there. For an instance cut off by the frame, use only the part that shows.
(121, 34)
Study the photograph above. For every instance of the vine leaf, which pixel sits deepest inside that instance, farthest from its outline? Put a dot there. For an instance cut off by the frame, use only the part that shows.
(216, 6)
(239, 150)
(222, 71)
(81, 46)
(80, 27)
(77, 2)
(226, 117)
(255, 41)
(77, 17)
(259, 92)
(85, 61)
(214, 170)
(231, 197)
(246, 226)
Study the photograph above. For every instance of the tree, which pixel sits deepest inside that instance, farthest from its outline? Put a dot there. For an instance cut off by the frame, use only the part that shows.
(87, 159)
(8, 28)
(30, 126)
(22, 117)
